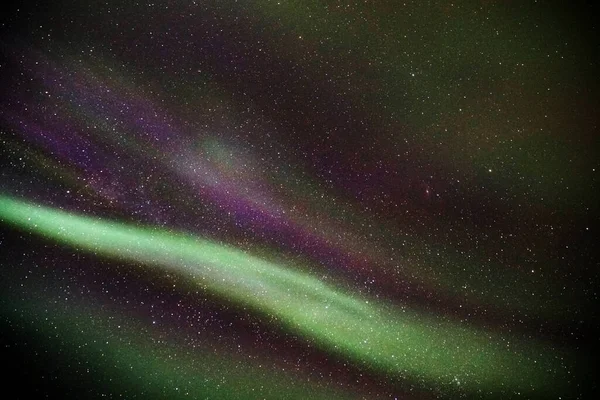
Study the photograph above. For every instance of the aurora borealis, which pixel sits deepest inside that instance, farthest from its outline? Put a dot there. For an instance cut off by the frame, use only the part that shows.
(298, 199)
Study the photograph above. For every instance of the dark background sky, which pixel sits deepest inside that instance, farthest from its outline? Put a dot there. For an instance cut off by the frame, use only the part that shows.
(441, 156)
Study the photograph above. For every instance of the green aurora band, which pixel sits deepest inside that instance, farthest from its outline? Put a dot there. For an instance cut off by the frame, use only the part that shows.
(400, 342)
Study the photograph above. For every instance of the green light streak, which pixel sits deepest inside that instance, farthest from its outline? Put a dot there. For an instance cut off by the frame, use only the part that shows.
(398, 342)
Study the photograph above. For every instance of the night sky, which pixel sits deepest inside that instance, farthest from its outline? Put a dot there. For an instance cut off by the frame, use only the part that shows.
(299, 199)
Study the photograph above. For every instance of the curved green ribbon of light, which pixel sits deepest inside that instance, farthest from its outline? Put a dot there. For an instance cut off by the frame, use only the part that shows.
(411, 344)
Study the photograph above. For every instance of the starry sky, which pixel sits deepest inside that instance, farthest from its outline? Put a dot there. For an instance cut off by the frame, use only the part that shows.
(309, 199)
